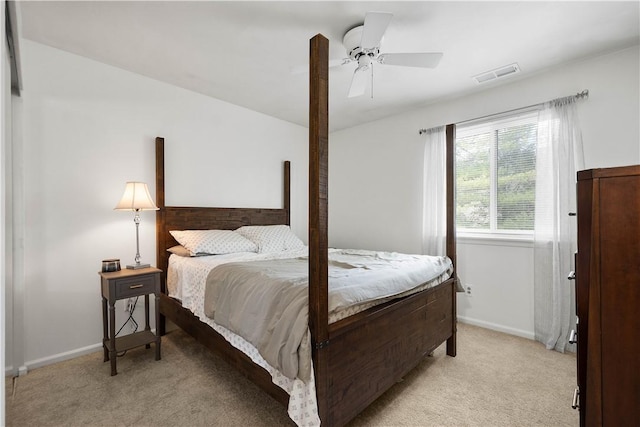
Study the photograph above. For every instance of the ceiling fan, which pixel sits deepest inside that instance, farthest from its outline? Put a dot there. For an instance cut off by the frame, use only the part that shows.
(363, 46)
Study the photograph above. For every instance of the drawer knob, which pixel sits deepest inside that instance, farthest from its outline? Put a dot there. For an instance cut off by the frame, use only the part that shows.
(135, 286)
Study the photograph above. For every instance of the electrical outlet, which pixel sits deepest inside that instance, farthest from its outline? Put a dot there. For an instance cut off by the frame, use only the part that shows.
(130, 305)
(468, 289)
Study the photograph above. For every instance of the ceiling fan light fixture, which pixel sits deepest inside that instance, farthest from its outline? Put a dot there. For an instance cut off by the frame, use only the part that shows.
(364, 62)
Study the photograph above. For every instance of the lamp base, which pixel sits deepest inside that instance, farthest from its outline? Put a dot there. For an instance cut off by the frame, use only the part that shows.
(138, 266)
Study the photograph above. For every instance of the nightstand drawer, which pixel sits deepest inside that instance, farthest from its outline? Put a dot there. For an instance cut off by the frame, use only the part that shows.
(135, 286)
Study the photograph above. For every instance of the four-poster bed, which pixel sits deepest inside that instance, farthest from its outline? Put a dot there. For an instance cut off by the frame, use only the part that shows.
(355, 359)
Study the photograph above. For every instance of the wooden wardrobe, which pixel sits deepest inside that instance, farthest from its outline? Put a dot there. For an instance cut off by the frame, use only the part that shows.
(608, 296)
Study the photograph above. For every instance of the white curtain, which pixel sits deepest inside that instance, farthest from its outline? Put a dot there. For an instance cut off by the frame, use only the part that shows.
(559, 157)
(434, 210)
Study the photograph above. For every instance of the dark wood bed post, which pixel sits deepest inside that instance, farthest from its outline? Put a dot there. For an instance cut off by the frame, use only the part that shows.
(287, 190)
(160, 243)
(318, 195)
(451, 227)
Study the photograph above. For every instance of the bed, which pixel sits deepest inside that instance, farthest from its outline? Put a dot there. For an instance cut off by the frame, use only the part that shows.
(355, 359)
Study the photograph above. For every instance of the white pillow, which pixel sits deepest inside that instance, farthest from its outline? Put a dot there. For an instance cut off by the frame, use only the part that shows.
(213, 242)
(271, 238)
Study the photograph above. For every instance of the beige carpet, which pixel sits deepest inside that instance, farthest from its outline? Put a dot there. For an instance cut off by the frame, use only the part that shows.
(496, 380)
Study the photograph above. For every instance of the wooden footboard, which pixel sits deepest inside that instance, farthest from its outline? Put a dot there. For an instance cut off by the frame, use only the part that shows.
(369, 352)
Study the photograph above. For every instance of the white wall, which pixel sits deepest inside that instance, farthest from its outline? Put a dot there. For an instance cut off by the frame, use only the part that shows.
(89, 128)
(376, 176)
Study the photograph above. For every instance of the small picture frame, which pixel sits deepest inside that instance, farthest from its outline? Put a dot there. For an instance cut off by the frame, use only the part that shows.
(110, 265)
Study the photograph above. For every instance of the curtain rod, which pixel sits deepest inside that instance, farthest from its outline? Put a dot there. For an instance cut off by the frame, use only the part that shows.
(557, 101)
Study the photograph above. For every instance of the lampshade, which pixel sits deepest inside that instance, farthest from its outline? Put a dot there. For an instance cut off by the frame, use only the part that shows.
(136, 197)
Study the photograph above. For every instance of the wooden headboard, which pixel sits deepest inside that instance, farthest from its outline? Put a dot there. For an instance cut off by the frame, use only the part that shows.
(205, 218)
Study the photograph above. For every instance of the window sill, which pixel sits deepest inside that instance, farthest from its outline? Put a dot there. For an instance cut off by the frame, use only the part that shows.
(494, 239)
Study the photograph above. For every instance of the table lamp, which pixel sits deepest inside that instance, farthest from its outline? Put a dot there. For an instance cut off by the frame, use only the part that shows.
(136, 198)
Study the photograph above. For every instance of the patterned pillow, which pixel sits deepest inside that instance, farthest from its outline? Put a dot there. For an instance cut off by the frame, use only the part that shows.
(271, 238)
(213, 242)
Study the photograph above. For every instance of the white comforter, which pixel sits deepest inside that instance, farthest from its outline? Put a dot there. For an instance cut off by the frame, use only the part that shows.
(266, 302)
(394, 275)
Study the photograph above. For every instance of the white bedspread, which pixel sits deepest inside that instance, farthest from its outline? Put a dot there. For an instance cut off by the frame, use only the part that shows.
(267, 302)
(384, 275)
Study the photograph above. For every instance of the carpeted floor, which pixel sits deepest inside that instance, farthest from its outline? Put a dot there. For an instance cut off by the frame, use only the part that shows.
(496, 380)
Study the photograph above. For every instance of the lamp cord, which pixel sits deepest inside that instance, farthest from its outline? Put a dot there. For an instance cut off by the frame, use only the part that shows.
(129, 319)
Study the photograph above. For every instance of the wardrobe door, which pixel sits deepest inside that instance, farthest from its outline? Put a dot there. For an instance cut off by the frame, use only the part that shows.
(619, 223)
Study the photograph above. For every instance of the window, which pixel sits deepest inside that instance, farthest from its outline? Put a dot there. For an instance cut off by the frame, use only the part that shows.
(495, 175)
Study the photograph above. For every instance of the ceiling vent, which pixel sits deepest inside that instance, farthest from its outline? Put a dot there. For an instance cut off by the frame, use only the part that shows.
(507, 70)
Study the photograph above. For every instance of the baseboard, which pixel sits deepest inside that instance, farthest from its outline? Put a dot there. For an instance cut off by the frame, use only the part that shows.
(72, 354)
(9, 371)
(495, 327)
(38, 363)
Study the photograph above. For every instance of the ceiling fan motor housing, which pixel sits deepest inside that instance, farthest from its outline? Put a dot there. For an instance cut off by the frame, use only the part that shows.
(351, 42)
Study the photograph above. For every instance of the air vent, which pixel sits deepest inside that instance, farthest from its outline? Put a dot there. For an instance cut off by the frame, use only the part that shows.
(507, 70)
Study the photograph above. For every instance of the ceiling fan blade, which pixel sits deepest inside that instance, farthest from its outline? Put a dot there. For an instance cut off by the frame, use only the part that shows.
(359, 82)
(421, 60)
(375, 24)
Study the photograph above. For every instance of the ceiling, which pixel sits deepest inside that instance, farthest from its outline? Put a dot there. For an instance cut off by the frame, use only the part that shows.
(254, 54)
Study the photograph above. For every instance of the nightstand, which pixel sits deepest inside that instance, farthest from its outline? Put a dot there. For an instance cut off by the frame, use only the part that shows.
(128, 284)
